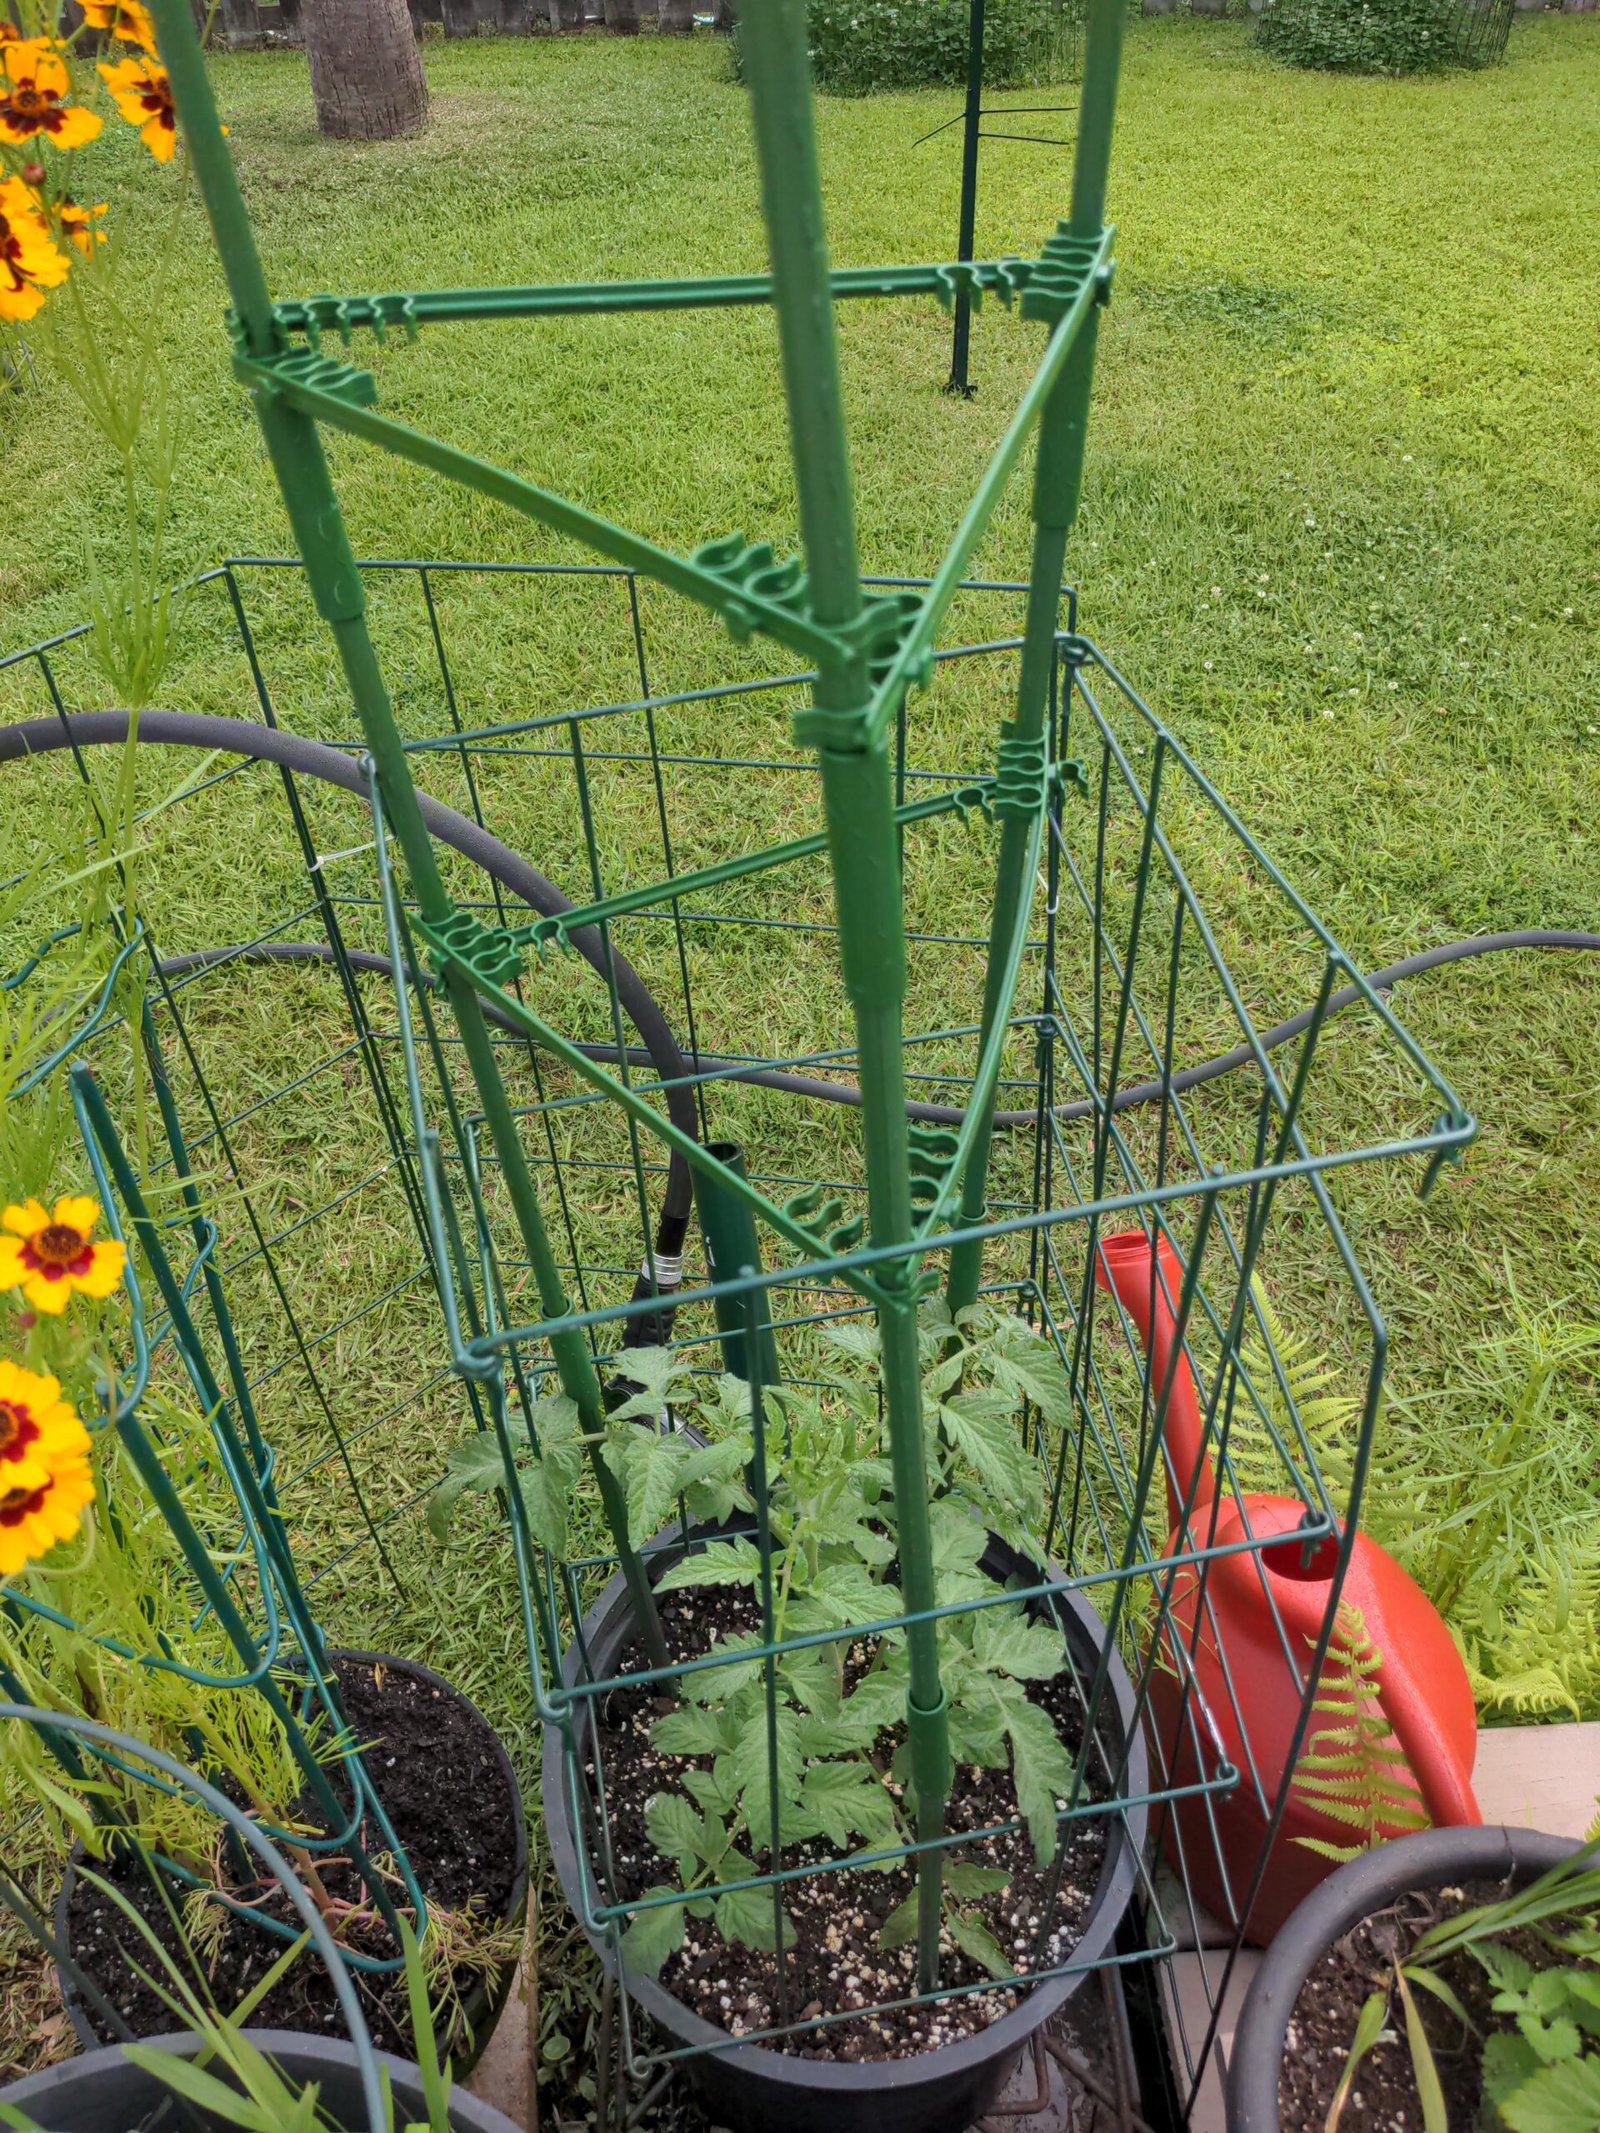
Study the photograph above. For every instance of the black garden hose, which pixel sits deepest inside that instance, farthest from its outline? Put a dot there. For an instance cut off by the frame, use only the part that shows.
(293, 753)
(721, 1068)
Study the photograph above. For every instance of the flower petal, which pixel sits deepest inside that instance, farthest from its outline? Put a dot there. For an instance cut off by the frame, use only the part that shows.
(78, 1211)
(51, 1297)
(77, 126)
(160, 138)
(27, 1219)
(106, 1261)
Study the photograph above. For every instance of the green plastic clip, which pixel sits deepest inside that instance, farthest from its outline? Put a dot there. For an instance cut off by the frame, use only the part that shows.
(486, 953)
(303, 366)
(819, 1215)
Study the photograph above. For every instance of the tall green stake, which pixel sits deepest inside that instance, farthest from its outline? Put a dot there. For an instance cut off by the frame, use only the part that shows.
(1057, 486)
(301, 466)
(858, 800)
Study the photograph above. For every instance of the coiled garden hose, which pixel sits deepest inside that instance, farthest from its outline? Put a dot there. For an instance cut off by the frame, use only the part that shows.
(659, 1049)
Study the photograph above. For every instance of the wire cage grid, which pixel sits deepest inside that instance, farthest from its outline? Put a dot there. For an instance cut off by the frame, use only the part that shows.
(1219, 1147)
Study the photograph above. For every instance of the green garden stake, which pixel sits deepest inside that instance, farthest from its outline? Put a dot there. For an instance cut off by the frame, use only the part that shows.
(732, 1248)
(1057, 486)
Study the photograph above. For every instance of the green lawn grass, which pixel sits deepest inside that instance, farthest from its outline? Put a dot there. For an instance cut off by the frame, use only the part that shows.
(1340, 527)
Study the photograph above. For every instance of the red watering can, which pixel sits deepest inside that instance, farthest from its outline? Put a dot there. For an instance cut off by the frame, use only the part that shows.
(1215, 1840)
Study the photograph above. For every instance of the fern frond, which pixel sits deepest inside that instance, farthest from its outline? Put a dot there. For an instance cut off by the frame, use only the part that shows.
(1351, 1770)
(1289, 1380)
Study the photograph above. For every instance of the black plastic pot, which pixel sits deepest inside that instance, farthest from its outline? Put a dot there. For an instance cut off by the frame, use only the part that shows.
(1432, 1859)
(100, 2092)
(481, 2007)
(756, 2086)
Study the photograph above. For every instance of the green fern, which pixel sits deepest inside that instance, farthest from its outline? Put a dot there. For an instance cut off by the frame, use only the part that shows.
(1539, 1654)
(1298, 1391)
(1351, 1770)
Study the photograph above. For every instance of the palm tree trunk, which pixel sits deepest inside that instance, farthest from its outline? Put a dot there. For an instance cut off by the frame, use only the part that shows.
(366, 71)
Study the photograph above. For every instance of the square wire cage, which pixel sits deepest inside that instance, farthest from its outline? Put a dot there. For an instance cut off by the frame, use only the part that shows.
(1195, 1065)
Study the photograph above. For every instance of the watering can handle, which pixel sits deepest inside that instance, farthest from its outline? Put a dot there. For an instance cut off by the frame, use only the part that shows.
(1443, 1780)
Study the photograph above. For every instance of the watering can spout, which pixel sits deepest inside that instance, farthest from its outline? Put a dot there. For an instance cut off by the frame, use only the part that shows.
(1146, 1280)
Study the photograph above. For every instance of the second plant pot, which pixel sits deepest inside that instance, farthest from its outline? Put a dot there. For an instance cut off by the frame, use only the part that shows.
(432, 1723)
(1432, 1859)
(102, 2092)
(937, 2091)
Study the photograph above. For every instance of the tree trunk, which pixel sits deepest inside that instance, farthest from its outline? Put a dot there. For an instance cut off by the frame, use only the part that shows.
(294, 27)
(622, 16)
(366, 71)
(677, 17)
(566, 14)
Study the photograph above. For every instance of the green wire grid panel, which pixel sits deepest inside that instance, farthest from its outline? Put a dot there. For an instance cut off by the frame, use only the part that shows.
(890, 924)
(192, 1580)
(1159, 937)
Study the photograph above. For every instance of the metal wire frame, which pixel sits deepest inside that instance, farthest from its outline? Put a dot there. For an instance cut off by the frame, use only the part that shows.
(1100, 1528)
(1121, 997)
(215, 1563)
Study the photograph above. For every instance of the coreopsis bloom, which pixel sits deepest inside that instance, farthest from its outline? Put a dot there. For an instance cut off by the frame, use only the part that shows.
(39, 1430)
(35, 98)
(127, 19)
(78, 223)
(30, 261)
(33, 1517)
(143, 94)
(49, 1257)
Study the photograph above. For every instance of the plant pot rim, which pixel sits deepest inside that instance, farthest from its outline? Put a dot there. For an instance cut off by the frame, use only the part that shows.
(1427, 1859)
(300, 2054)
(822, 2078)
(481, 2007)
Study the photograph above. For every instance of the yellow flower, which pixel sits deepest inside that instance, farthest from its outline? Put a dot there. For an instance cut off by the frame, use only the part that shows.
(33, 1519)
(29, 262)
(127, 19)
(48, 1257)
(34, 98)
(143, 95)
(77, 223)
(39, 1431)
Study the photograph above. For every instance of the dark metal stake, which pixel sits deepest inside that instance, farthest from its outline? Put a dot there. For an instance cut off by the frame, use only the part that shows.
(958, 381)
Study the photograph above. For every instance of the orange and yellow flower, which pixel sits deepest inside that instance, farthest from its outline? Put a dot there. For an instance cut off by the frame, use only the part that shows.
(39, 1430)
(51, 1257)
(30, 261)
(143, 95)
(127, 19)
(78, 223)
(34, 1516)
(35, 98)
